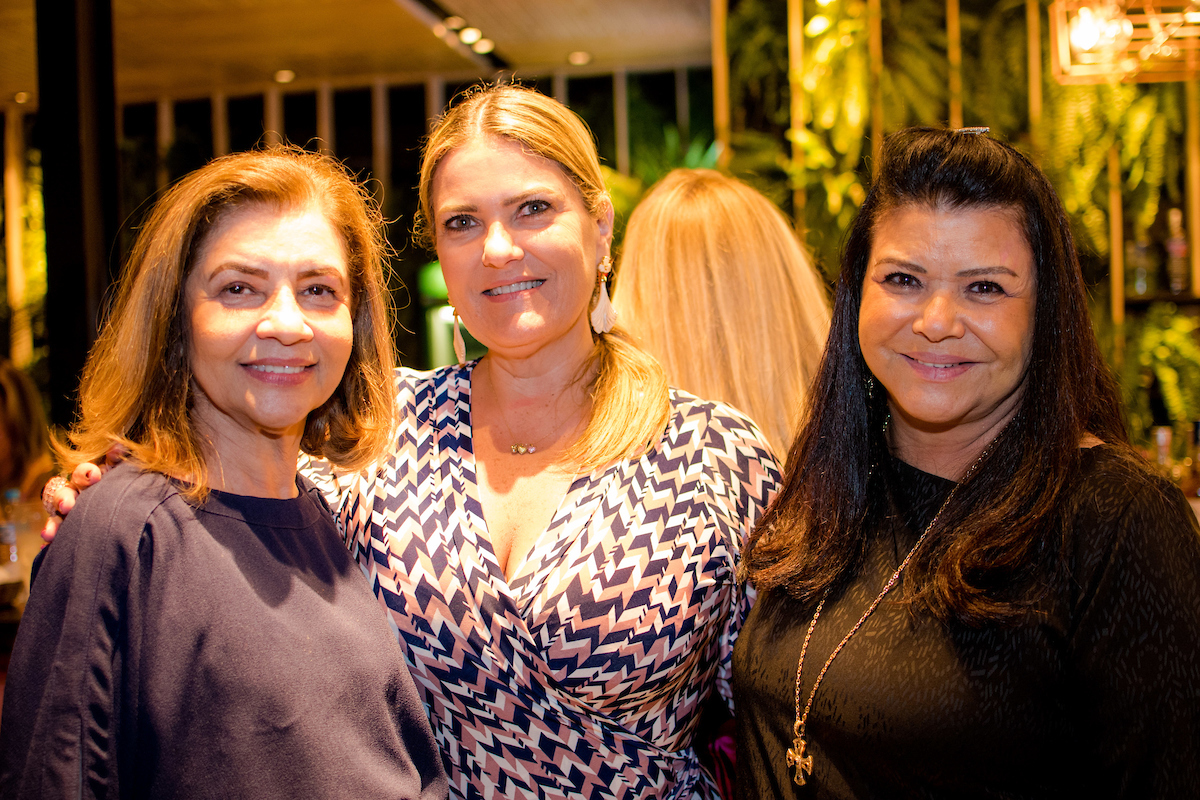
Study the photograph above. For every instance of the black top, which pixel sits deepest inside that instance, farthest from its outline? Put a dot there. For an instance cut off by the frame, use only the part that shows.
(231, 650)
(1098, 695)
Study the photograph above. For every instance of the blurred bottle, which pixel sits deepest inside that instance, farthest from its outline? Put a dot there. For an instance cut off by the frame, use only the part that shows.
(1191, 478)
(1162, 449)
(11, 582)
(1177, 253)
(1140, 279)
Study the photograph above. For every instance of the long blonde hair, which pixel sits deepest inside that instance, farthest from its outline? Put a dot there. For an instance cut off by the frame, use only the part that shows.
(630, 405)
(136, 389)
(714, 283)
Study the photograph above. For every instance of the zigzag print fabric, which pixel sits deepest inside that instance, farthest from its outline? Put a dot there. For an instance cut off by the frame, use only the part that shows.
(584, 676)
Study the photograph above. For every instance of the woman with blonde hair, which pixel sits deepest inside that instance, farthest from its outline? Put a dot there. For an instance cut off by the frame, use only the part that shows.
(555, 534)
(197, 628)
(714, 284)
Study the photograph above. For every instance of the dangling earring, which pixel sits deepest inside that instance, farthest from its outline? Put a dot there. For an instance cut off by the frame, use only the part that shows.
(604, 316)
(460, 347)
(869, 384)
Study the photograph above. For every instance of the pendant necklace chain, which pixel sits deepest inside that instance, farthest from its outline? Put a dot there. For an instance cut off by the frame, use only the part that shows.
(519, 448)
(797, 756)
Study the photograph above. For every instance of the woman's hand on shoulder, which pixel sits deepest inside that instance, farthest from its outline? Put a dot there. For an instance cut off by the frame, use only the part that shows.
(60, 493)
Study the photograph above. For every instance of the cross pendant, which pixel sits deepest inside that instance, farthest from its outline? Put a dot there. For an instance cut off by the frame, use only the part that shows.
(796, 758)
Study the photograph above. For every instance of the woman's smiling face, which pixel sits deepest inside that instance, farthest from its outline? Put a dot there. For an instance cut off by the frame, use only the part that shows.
(517, 246)
(270, 328)
(946, 320)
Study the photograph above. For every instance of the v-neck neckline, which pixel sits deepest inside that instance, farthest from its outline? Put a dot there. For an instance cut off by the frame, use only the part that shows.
(589, 488)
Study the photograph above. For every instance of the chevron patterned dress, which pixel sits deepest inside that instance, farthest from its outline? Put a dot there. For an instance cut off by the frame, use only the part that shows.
(584, 675)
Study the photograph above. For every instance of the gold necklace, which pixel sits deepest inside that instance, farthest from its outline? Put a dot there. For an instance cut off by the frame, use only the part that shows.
(797, 755)
(518, 448)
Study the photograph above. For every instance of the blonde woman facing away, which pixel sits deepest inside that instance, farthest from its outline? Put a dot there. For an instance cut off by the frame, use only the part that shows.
(714, 284)
(197, 628)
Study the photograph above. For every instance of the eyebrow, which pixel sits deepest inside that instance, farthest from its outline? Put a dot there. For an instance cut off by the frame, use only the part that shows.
(515, 200)
(974, 272)
(255, 272)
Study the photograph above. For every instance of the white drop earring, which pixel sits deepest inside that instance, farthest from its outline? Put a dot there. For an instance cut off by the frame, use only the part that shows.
(604, 316)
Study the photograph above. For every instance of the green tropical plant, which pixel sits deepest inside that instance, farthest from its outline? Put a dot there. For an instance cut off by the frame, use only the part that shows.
(649, 165)
(835, 78)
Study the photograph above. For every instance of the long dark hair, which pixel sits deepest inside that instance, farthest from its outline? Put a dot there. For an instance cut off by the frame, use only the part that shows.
(997, 545)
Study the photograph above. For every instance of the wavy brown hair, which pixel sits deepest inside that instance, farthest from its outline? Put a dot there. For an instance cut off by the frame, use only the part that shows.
(997, 546)
(630, 405)
(137, 389)
(25, 426)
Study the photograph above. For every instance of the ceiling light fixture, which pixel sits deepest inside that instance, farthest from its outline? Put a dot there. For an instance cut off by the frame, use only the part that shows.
(1098, 41)
(470, 35)
(484, 46)
(285, 76)
(21, 98)
(579, 58)
(454, 23)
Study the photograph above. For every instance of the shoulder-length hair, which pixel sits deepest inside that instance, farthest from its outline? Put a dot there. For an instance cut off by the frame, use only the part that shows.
(25, 426)
(137, 390)
(630, 404)
(715, 284)
(997, 546)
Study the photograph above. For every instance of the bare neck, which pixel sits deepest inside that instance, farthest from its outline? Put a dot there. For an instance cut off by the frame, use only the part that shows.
(945, 453)
(254, 466)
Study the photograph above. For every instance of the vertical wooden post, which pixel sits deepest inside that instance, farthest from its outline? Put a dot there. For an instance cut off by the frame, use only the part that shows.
(683, 107)
(19, 323)
(720, 71)
(435, 99)
(954, 56)
(273, 116)
(325, 129)
(77, 134)
(165, 131)
(621, 118)
(220, 123)
(381, 138)
(795, 12)
(560, 86)
(875, 59)
(1033, 28)
(1116, 259)
(1192, 139)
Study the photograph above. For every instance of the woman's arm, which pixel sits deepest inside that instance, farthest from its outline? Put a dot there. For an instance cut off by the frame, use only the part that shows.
(744, 478)
(1136, 642)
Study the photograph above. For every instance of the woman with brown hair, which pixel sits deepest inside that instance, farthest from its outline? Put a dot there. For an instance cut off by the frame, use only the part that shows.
(25, 461)
(970, 585)
(197, 628)
(715, 285)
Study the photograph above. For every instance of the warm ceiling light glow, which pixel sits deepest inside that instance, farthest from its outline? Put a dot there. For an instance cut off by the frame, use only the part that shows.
(484, 46)
(1104, 29)
(285, 76)
(817, 25)
(470, 35)
(20, 98)
(454, 23)
(439, 30)
(579, 58)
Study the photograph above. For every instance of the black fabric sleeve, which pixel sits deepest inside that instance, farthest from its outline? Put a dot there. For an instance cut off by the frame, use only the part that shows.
(1136, 641)
(62, 714)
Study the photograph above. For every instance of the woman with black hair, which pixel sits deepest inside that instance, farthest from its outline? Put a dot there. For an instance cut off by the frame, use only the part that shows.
(969, 585)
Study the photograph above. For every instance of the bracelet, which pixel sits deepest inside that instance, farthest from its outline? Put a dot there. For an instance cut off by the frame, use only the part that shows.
(50, 491)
